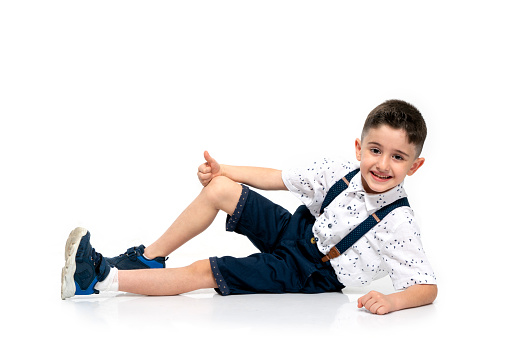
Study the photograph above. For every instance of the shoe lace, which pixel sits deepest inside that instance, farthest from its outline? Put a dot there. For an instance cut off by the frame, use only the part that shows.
(132, 253)
(96, 258)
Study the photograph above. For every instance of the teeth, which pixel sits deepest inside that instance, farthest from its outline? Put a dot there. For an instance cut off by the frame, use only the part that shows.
(381, 176)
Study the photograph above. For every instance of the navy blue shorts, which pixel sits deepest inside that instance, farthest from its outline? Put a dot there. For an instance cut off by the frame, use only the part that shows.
(289, 261)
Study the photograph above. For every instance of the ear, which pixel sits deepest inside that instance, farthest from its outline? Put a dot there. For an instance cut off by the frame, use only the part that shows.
(358, 149)
(415, 166)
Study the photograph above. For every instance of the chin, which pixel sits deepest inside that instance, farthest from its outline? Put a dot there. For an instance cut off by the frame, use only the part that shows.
(377, 188)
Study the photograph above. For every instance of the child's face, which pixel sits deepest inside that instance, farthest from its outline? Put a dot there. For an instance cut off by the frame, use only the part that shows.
(386, 158)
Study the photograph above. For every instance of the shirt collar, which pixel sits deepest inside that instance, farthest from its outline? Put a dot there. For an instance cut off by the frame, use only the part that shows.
(375, 201)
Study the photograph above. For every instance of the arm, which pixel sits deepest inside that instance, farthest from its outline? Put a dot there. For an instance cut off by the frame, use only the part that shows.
(258, 177)
(413, 296)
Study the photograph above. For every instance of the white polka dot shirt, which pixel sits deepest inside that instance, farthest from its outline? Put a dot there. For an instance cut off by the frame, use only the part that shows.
(393, 247)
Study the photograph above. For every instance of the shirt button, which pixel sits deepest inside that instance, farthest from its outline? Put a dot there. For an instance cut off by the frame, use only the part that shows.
(330, 225)
(313, 240)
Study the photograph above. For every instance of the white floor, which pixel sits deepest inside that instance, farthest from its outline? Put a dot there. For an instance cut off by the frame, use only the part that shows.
(39, 310)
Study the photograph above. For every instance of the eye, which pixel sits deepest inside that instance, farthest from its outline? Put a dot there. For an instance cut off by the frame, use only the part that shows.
(398, 157)
(376, 151)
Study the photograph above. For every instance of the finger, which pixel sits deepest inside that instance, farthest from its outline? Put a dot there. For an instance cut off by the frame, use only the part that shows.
(207, 157)
(214, 165)
(378, 308)
(204, 168)
(204, 176)
(382, 310)
(369, 304)
(364, 299)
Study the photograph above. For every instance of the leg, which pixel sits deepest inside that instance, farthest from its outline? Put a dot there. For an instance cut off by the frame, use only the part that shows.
(220, 194)
(168, 281)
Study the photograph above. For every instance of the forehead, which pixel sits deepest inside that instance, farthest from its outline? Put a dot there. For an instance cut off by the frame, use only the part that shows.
(389, 138)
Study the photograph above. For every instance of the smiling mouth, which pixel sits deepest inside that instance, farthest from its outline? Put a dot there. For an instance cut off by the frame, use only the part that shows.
(381, 177)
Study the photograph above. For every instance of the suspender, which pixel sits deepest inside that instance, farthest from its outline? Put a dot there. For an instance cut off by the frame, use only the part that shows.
(364, 227)
(337, 188)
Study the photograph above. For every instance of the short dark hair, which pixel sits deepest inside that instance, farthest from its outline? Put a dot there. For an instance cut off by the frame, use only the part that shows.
(399, 114)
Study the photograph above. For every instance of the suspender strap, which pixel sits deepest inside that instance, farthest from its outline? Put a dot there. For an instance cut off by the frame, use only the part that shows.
(363, 228)
(337, 188)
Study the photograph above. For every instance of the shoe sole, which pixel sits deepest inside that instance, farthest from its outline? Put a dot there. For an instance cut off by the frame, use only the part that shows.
(68, 287)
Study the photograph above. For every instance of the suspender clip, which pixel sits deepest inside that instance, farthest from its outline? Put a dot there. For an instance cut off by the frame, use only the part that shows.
(333, 253)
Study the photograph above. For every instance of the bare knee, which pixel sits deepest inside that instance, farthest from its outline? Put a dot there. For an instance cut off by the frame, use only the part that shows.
(203, 272)
(224, 193)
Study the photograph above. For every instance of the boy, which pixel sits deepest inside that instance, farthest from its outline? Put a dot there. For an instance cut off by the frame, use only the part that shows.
(297, 251)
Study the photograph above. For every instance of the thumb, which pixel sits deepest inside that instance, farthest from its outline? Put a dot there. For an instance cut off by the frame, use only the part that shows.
(207, 157)
(214, 165)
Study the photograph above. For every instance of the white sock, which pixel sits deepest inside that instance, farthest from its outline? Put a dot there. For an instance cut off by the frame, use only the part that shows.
(110, 283)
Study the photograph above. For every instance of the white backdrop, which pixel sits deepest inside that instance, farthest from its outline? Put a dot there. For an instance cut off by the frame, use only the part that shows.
(106, 108)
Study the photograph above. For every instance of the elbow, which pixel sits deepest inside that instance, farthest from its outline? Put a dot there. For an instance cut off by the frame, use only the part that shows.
(425, 294)
(434, 293)
(430, 294)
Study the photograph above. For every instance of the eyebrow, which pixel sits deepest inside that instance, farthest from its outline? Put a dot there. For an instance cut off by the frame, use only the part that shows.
(379, 145)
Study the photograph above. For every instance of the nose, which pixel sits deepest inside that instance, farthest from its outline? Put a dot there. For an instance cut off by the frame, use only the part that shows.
(383, 164)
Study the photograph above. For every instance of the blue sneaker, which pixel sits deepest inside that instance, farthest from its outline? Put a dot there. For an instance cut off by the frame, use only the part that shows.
(133, 259)
(84, 267)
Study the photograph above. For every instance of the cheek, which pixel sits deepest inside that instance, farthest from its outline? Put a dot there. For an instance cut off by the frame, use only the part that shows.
(368, 160)
(365, 165)
(400, 171)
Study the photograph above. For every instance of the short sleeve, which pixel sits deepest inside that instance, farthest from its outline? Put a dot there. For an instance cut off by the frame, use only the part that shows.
(311, 183)
(403, 255)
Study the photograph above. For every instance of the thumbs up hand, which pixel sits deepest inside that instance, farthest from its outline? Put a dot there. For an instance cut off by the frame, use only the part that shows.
(208, 170)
